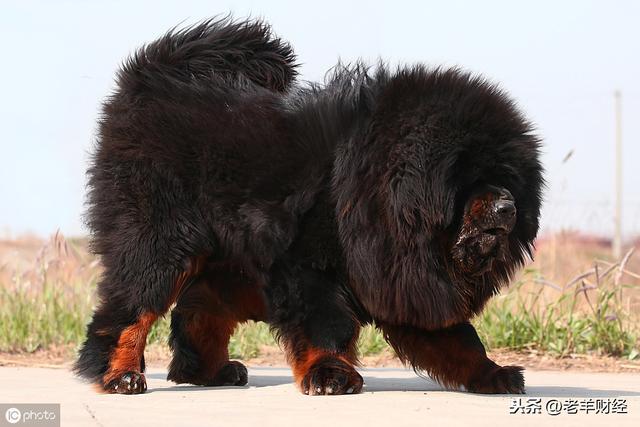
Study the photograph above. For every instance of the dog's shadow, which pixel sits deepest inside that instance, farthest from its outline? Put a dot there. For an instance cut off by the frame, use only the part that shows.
(419, 384)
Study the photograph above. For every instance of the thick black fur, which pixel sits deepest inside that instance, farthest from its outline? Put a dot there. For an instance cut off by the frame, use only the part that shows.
(340, 201)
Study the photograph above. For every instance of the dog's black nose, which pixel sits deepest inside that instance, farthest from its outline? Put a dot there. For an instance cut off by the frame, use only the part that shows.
(505, 208)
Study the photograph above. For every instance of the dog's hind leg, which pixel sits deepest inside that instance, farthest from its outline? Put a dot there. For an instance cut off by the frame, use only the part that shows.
(199, 341)
(202, 322)
(112, 356)
(125, 373)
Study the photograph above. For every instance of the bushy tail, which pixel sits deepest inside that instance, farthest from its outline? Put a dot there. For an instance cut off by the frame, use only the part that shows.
(214, 49)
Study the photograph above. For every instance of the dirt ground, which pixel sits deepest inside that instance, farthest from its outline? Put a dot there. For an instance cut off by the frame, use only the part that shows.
(157, 355)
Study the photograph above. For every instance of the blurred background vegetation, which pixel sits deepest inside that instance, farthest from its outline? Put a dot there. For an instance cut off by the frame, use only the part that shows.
(574, 299)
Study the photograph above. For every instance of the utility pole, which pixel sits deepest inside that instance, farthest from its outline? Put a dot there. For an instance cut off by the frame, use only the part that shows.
(617, 237)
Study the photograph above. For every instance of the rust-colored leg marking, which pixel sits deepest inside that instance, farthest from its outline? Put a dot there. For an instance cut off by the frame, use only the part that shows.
(204, 319)
(301, 365)
(318, 371)
(128, 353)
(209, 336)
(124, 374)
(454, 357)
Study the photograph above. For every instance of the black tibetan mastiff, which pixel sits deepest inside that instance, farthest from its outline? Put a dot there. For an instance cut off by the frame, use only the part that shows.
(401, 198)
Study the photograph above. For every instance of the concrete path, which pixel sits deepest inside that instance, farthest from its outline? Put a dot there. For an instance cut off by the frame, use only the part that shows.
(392, 397)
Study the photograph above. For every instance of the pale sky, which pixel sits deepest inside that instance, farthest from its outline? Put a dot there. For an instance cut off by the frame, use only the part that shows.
(561, 60)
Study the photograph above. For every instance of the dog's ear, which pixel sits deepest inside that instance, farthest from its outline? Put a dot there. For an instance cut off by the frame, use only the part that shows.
(420, 194)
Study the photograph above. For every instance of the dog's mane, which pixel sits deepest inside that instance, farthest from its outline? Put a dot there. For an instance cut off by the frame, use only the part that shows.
(423, 138)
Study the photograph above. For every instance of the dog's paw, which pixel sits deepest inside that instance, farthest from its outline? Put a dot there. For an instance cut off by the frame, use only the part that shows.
(131, 382)
(231, 374)
(500, 380)
(331, 376)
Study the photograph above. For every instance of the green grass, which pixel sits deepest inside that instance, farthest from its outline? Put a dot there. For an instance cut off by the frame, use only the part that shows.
(520, 320)
(244, 344)
(31, 321)
(248, 338)
(34, 320)
(56, 314)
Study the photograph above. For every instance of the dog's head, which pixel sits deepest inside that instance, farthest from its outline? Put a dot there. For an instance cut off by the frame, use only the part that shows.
(438, 197)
